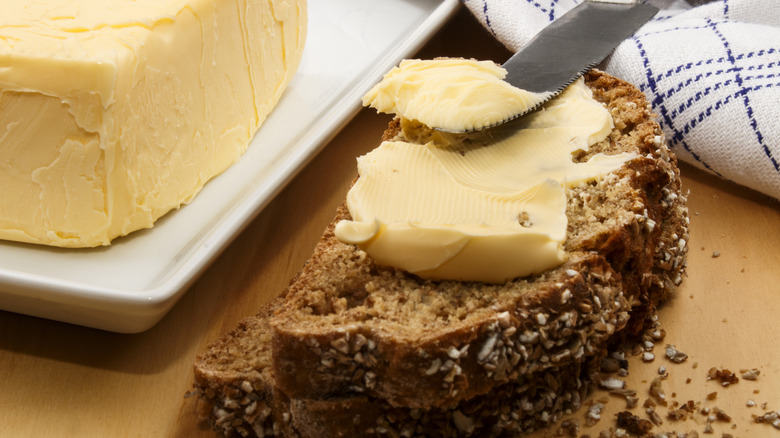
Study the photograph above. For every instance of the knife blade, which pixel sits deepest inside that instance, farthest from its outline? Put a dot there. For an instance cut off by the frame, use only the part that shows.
(573, 44)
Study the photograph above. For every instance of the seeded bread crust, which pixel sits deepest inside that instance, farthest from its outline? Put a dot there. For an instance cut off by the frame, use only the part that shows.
(531, 403)
(350, 327)
(349, 336)
(242, 400)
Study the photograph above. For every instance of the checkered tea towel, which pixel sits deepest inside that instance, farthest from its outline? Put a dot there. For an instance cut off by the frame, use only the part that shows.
(711, 70)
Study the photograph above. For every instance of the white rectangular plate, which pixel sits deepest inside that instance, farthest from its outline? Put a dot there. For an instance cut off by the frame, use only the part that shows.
(130, 285)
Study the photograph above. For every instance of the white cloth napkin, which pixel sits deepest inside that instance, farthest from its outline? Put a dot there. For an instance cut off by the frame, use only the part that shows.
(711, 70)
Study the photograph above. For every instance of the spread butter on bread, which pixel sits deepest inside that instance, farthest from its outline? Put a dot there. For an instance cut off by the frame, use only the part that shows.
(357, 348)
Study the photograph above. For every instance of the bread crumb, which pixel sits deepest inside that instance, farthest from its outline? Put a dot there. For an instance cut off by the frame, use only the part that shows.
(771, 417)
(675, 355)
(657, 391)
(594, 414)
(633, 424)
(612, 383)
(750, 374)
(725, 376)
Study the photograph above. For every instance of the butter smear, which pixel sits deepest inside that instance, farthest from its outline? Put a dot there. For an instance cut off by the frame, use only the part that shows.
(485, 207)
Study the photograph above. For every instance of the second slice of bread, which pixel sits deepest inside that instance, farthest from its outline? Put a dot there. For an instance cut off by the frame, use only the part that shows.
(239, 397)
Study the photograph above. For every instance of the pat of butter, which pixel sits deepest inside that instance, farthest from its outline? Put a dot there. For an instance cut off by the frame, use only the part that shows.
(114, 113)
(450, 94)
(488, 207)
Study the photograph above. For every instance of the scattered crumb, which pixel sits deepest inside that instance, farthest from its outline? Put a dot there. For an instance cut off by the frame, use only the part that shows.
(594, 414)
(633, 424)
(630, 424)
(654, 417)
(771, 417)
(675, 355)
(725, 376)
(629, 394)
(683, 412)
(611, 383)
(751, 374)
(715, 254)
(721, 415)
(657, 391)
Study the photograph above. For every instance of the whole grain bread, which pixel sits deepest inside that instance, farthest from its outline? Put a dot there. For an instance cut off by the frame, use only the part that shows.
(347, 333)
(349, 326)
(239, 397)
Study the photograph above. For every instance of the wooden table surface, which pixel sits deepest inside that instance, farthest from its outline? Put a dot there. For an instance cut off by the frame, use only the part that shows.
(63, 380)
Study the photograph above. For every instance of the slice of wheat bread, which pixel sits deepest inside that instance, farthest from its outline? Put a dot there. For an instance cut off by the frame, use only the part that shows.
(349, 327)
(634, 223)
(238, 397)
(440, 346)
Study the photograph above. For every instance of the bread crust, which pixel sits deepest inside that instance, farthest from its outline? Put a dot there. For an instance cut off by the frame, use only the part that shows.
(242, 400)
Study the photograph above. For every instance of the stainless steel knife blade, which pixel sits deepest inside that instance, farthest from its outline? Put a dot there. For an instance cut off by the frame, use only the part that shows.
(569, 47)
(574, 43)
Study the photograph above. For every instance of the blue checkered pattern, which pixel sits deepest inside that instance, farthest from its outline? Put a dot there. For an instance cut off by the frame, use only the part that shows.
(711, 70)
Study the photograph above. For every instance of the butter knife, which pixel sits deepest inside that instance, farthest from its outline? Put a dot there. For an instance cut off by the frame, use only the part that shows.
(573, 44)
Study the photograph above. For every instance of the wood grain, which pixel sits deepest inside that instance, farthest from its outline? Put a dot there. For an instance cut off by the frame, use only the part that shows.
(64, 380)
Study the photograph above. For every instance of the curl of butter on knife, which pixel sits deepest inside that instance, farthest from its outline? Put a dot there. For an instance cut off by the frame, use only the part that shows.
(570, 46)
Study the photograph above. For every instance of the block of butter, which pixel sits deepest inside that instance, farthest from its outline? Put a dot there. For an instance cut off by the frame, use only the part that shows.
(113, 113)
